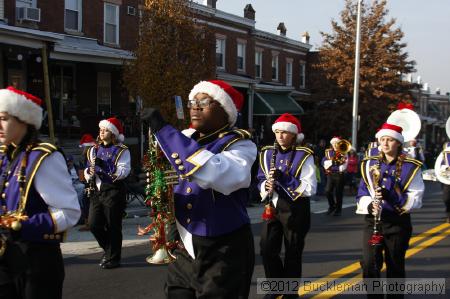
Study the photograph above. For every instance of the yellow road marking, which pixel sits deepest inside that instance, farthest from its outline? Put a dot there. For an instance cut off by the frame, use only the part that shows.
(356, 266)
(410, 252)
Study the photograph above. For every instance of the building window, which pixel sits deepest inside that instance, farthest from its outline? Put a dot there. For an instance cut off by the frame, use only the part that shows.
(289, 73)
(111, 26)
(258, 64)
(302, 75)
(275, 67)
(73, 15)
(104, 93)
(26, 3)
(220, 53)
(241, 57)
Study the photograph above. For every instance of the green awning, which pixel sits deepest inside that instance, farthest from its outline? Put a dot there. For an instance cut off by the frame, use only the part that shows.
(275, 104)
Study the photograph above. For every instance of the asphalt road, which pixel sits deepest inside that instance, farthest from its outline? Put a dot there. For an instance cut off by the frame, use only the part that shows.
(333, 249)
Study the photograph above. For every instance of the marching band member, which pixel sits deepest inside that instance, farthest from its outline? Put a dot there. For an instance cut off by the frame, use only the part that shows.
(335, 165)
(287, 174)
(445, 167)
(214, 164)
(414, 150)
(36, 187)
(108, 165)
(398, 190)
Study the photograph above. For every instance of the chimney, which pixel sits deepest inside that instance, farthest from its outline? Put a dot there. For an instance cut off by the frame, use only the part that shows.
(282, 29)
(210, 3)
(249, 12)
(305, 37)
(419, 80)
(438, 90)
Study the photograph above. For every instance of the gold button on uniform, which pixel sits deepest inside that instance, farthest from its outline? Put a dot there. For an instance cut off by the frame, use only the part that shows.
(189, 206)
(57, 237)
(181, 167)
(178, 161)
(3, 195)
(6, 184)
(174, 155)
(384, 179)
(52, 237)
(188, 220)
(46, 236)
(188, 190)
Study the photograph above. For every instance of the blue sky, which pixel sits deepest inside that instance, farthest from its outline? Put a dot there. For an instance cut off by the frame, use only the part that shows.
(426, 24)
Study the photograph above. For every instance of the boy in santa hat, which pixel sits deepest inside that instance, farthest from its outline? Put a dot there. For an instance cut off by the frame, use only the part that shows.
(213, 161)
(391, 186)
(108, 166)
(335, 165)
(287, 179)
(38, 202)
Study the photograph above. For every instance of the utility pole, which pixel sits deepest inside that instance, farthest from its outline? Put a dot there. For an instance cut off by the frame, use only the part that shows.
(356, 82)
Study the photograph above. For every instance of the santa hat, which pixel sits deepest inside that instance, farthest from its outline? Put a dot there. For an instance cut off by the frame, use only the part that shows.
(87, 140)
(335, 139)
(289, 123)
(404, 105)
(229, 98)
(391, 131)
(22, 105)
(113, 124)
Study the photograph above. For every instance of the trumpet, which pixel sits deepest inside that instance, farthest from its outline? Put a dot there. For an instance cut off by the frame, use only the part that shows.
(159, 197)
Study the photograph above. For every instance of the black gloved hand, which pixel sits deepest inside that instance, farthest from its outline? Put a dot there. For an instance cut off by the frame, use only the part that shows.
(153, 118)
(277, 174)
(99, 162)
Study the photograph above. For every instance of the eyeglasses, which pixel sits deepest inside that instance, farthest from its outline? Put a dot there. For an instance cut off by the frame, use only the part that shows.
(203, 103)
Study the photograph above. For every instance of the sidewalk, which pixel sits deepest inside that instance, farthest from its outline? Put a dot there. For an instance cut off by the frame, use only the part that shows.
(79, 243)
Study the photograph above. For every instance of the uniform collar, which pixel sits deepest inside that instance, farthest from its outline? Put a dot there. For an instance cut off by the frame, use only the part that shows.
(209, 137)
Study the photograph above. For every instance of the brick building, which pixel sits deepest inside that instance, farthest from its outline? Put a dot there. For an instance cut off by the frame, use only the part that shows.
(79, 48)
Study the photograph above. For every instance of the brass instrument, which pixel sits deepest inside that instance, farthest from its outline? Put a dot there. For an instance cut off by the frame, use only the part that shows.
(376, 238)
(443, 175)
(159, 196)
(342, 148)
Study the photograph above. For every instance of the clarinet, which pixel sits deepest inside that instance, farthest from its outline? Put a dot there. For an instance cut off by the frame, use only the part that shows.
(376, 238)
(272, 166)
(90, 189)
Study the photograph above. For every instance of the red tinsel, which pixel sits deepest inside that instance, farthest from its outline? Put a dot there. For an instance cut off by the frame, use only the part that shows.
(269, 212)
(376, 239)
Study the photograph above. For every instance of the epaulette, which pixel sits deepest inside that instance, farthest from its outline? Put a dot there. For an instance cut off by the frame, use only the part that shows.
(45, 147)
(3, 149)
(370, 158)
(414, 161)
(122, 146)
(267, 147)
(244, 134)
(306, 149)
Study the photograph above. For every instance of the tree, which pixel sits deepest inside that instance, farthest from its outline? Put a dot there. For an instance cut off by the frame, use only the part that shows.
(384, 62)
(173, 53)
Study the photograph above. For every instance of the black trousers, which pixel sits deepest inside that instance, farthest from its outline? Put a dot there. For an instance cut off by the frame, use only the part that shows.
(446, 198)
(335, 189)
(31, 271)
(292, 222)
(106, 211)
(396, 234)
(223, 267)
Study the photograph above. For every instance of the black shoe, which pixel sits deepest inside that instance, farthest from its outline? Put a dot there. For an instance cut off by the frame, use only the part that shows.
(103, 260)
(337, 213)
(111, 265)
(330, 210)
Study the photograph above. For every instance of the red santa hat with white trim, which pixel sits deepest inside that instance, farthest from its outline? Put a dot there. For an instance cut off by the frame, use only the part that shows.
(87, 140)
(229, 98)
(391, 131)
(26, 107)
(289, 123)
(114, 125)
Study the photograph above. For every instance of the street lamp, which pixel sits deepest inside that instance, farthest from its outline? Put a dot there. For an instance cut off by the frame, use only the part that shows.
(356, 82)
